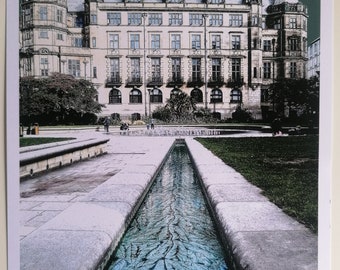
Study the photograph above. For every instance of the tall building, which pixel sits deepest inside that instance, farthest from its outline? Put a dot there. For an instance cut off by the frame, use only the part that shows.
(224, 53)
(313, 66)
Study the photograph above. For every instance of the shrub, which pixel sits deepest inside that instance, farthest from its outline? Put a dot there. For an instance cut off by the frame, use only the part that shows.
(241, 115)
(162, 114)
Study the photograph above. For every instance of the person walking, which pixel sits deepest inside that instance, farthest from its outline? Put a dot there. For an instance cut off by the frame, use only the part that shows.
(106, 124)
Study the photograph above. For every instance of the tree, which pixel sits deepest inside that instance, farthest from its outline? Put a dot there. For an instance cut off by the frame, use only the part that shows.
(57, 99)
(297, 96)
(181, 106)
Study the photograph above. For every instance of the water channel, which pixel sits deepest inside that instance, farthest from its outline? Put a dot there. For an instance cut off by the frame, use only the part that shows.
(173, 228)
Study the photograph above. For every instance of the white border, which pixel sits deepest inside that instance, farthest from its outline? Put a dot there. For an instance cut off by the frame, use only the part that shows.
(12, 133)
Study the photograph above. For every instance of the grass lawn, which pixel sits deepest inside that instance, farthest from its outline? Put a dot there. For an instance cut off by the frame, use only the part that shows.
(29, 141)
(285, 168)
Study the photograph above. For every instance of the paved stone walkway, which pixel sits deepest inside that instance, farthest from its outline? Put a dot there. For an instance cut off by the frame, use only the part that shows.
(45, 196)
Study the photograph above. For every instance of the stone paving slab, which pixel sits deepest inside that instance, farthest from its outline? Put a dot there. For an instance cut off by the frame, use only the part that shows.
(235, 192)
(276, 250)
(54, 249)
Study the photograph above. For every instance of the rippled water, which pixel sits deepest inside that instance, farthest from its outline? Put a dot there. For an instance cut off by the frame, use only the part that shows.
(173, 228)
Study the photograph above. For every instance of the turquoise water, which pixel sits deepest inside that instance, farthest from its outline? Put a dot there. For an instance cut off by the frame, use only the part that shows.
(173, 228)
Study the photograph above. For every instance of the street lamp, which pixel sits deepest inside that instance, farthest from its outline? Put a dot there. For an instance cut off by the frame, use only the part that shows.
(85, 63)
(214, 97)
(205, 16)
(150, 91)
(144, 15)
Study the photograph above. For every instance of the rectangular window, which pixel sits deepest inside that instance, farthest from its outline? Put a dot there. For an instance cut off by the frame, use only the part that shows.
(267, 45)
(196, 69)
(60, 36)
(277, 24)
(43, 34)
(254, 20)
(176, 69)
(216, 1)
(175, 19)
(134, 41)
(43, 13)
(113, 18)
(114, 70)
(135, 69)
(235, 20)
(94, 72)
(293, 70)
(79, 21)
(94, 42)
(27, 65)
(28, 12)
(78, 42)
(155, 19)
(264, 95)
(74, 68)
(196, 42)
(216, 20)
(266, 70)
(292, 23)
(134, 18)
(195, 19)
(216, 69)
(175, 41)
(236, 42)
(155, 69)
(44, 66)
(113, 41)
(293, 44)
(155, 41)
(236, 69)
(93, 19)
(216, 42)
(59, 16)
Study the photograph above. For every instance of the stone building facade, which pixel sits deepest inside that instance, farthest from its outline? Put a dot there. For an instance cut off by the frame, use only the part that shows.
(224, 53)
(313, 66)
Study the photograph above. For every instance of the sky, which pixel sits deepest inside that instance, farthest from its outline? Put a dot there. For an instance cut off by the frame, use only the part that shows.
(313, 19)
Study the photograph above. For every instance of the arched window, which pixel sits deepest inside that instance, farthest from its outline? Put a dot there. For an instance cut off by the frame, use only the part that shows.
(115, 96)
(156, 96)
(135, 96)
(197, 95)
(235, 96)
(216, 95)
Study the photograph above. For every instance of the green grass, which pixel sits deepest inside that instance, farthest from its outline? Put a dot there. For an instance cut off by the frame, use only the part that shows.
(30, 141)
(285, 168)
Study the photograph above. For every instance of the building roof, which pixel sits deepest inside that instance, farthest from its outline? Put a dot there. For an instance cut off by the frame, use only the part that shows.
(75, 5)
(78, 5)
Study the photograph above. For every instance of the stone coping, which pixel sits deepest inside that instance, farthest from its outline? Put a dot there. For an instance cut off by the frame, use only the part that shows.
(35, 154)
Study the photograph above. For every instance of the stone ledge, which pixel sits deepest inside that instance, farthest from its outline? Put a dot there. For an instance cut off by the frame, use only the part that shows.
(41, 159)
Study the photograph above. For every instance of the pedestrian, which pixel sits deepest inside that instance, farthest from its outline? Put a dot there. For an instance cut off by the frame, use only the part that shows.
(106, 124)
(276, 127)
(152, 124)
